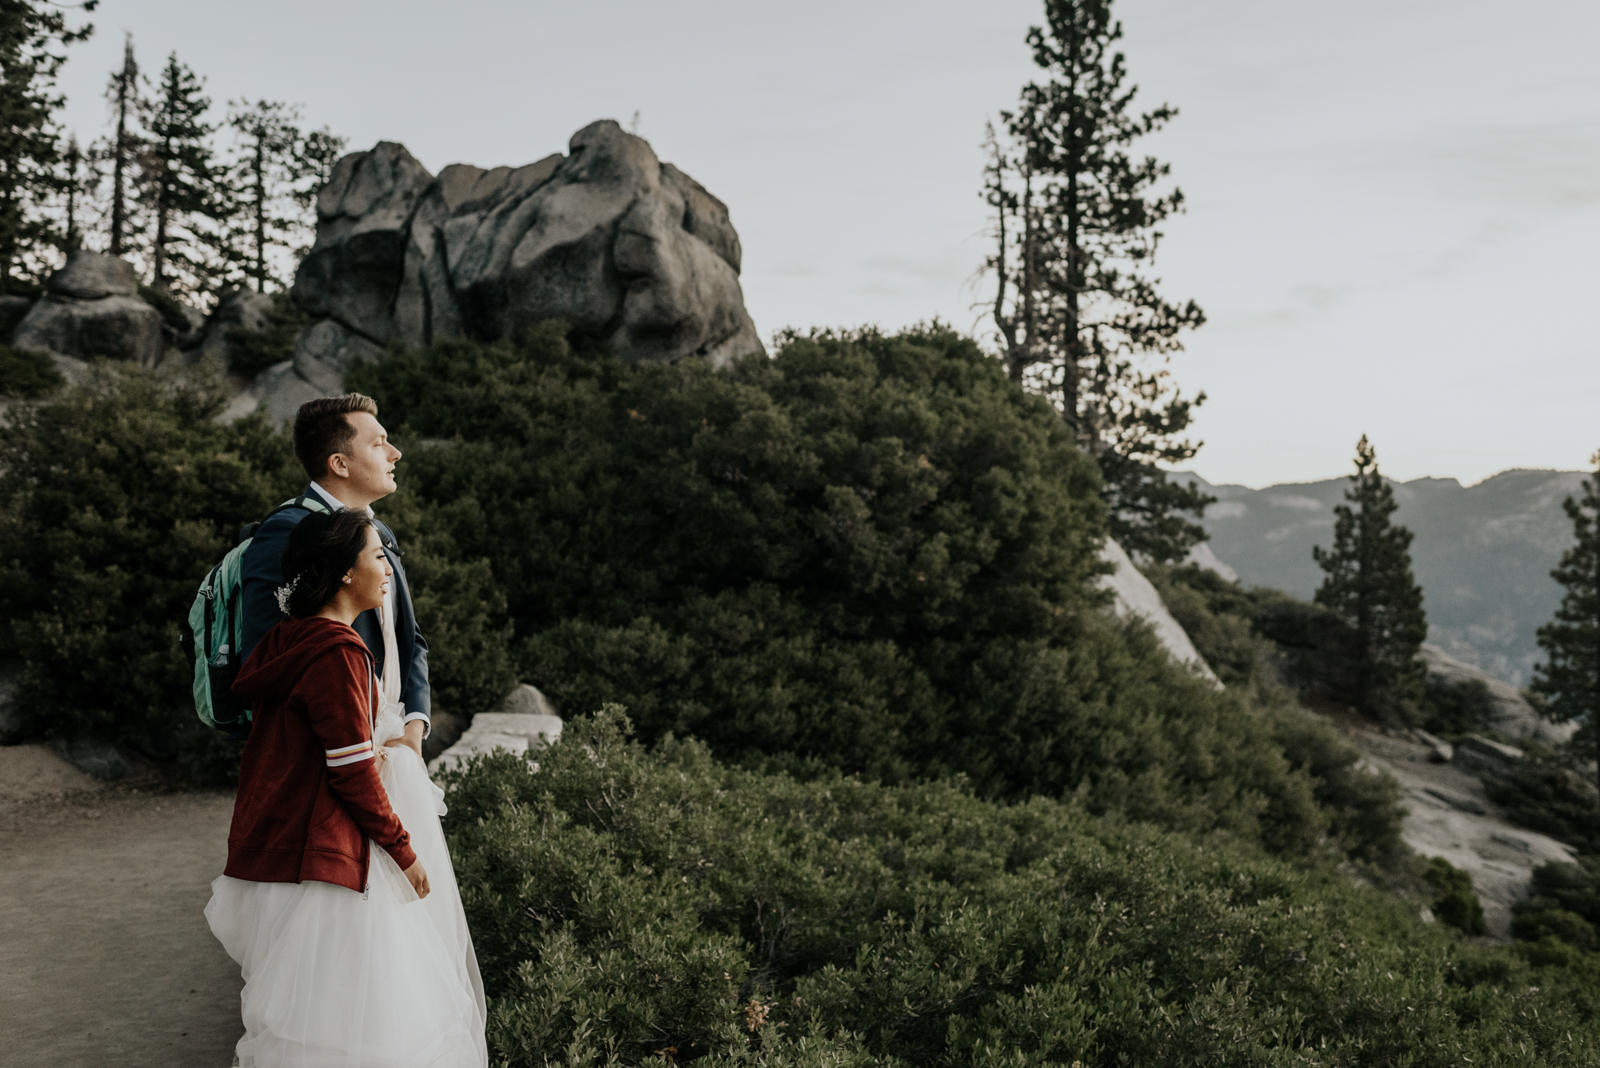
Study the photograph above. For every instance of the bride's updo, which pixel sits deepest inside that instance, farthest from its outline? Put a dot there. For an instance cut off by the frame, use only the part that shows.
(323, 547)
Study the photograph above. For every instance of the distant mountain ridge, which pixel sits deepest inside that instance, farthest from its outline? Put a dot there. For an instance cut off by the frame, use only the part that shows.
(1482, 553)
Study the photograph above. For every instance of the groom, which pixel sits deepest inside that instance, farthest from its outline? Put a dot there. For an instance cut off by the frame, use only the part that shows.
(347, 454)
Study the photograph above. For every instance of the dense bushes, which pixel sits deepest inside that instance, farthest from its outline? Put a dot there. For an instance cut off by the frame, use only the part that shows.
(633, 907)
(25, 373)
(116, 496)
(869, 552)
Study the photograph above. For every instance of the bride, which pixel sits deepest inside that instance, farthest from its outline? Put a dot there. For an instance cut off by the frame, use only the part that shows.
(353, 956)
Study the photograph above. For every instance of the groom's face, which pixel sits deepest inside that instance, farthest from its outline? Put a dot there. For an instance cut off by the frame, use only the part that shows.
(367, 464)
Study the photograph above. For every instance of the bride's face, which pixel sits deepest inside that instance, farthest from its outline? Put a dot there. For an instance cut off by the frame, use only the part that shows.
(368, 581)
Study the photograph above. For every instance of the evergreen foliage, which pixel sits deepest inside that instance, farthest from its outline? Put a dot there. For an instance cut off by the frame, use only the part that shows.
(253, 351)
(1543, 793)
(634, 907)
(184, 189)
(124, 149)
(116, 496)
(33, 37)
(1569, 680)
(1370, 589)
(25, 373)
(1077, 217)
(868, 552)
(275, 166)
(1456, 904)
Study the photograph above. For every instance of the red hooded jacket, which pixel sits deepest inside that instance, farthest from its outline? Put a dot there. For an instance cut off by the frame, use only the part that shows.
(309, 797)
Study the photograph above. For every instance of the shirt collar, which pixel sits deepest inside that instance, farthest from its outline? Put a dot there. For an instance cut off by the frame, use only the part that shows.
(333, 501)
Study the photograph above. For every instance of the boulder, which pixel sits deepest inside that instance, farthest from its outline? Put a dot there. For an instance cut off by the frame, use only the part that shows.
(353, 271)
(1480, 756)
(1508, 712)
(242, 310)
(625, 248)
(94, 756)
(1132, 594)
(91, 309)
(525, 722)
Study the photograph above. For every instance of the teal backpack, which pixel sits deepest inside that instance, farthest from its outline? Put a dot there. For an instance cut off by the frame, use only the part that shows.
(212, 638)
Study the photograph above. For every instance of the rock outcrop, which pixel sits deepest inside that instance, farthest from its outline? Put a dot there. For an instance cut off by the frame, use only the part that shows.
(1449, 815)
(242, 310)
(524, 721)
(91, 308)
(1132, 594)
(1508, 712)
(627, 249)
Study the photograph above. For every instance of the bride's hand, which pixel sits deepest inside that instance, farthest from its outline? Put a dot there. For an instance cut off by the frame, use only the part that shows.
(412, 738)
(417, 876)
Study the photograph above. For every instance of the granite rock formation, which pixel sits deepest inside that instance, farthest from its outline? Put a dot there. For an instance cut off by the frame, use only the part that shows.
(1133, 594)
(627, 249)
(1508, 712)
(91, 308)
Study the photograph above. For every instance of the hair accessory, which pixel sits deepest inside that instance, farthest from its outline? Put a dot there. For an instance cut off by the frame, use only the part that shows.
(284, 592)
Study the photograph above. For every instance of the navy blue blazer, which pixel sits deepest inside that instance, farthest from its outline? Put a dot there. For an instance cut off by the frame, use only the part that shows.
(262, 571)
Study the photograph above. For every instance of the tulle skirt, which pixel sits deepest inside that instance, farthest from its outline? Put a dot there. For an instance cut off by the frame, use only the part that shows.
(340, 979)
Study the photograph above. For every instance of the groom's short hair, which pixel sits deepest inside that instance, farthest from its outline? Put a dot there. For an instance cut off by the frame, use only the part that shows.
(321, 429)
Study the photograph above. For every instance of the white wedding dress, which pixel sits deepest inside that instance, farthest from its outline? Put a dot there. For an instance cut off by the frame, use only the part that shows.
(337, 979)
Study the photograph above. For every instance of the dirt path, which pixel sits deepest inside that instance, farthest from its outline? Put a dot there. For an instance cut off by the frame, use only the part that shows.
(105, 957)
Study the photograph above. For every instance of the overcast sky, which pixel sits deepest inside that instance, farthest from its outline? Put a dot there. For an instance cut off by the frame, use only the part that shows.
(1394, 207)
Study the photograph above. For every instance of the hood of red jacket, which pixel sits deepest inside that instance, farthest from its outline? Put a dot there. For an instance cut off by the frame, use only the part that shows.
(280, 659)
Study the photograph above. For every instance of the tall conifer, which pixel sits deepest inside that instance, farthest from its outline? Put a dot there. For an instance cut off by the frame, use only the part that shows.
(183, 189)
(1077, 220)
(32, 38)
(126, 103)
(1370, 588)
(1570, 677)
(276, 172)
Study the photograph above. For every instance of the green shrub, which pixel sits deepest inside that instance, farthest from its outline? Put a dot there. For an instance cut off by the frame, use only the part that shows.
(1542, 793)
(253, 351)
(116, 496)
(1574, 888)
(1362, 808)
(172, 313)
(631, 907)
(1454, 709)
(1456, 904)
(25, 373)
(872, 553)
(1570, 928)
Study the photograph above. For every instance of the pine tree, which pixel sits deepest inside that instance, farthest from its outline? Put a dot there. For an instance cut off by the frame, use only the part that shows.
(32, 41)
(1570, 679)
(183, 188)
(123, 151)
(276, 173)
(74, 173)
(1369, 587)
(1077, 217)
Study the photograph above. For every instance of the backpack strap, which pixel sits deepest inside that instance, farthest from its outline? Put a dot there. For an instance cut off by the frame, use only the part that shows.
(307, 501)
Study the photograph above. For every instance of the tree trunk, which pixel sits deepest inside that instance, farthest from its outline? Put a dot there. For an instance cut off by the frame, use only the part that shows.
(261, 216)
(119, 158)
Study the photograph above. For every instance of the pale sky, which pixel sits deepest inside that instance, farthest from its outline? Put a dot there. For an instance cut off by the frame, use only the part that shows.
(1394, 207)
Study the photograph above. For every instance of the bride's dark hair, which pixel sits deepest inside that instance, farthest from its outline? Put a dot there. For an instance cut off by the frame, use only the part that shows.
(323, 547)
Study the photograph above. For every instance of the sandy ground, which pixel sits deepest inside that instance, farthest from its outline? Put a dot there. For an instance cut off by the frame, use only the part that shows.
(1449, 816)
(106, 959)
